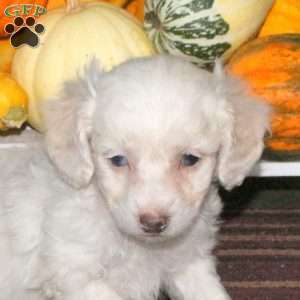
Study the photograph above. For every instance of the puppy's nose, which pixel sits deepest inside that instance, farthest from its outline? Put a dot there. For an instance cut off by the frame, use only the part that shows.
(153, 223)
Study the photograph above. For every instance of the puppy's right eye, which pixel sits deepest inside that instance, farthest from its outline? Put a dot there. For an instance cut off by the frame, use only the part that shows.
(119, 161)
(189, 160)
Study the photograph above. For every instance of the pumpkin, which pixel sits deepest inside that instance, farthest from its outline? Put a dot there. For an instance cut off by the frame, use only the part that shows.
(13, 103)
(97, 29)
(203, 30)
(271, 65)
(6, 55)
(285, 148)
(16, 8)
(286, 125)
(283, 18)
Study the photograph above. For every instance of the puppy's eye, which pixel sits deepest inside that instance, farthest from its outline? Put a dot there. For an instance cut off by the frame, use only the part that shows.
(119, 161)
(188, 160)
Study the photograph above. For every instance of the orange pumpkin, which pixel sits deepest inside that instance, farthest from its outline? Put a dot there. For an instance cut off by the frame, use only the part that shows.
(16, 7)
(271, 65)
(283, 18)
(283, 148)
(286, 125)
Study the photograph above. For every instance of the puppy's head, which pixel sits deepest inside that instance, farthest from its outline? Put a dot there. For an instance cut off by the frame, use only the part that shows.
(153, 134)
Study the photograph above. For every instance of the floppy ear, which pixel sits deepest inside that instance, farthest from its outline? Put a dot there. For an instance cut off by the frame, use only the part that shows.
(68, 121)
(243, 135)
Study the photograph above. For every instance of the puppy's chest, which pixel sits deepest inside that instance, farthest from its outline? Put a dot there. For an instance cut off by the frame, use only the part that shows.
(138, 273)
(134, 273)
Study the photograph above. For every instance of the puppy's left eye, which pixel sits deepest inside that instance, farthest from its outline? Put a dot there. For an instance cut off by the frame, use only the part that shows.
(188, 160)
(119, 161)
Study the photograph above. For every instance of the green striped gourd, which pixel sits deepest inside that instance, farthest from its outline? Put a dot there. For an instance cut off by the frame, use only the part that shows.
(203, 30)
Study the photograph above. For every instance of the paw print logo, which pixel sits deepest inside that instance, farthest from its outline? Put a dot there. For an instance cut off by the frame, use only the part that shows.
(24, 32)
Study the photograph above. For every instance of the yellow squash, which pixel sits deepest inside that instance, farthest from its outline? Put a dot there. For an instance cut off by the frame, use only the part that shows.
(13, 103)
(73, 36)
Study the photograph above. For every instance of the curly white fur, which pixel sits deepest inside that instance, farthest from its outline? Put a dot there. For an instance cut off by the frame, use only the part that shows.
(69, 227)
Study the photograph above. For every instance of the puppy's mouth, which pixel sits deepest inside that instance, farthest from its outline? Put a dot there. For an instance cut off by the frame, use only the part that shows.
(150, 231)
(152, 236)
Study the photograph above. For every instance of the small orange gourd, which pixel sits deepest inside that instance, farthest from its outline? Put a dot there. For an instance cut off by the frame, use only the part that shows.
(271, 66)
(13, 103)
(136, 8)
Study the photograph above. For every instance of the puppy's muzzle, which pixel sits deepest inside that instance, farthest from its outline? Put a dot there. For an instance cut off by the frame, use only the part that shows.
(153, 223)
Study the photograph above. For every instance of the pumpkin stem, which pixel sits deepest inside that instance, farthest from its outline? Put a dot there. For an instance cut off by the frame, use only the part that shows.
(72, 5)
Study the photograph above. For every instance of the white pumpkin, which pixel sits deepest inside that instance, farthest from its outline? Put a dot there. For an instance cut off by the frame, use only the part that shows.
(72, 37)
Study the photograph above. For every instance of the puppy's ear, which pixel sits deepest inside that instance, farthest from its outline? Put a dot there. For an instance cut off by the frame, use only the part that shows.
(68, 121)
(243, 134)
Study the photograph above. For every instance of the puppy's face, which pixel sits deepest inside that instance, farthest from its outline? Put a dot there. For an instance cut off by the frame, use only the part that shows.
(153, 133)
(154, 146)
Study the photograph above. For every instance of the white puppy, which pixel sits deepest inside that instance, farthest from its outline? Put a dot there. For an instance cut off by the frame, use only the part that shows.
(127, 203)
